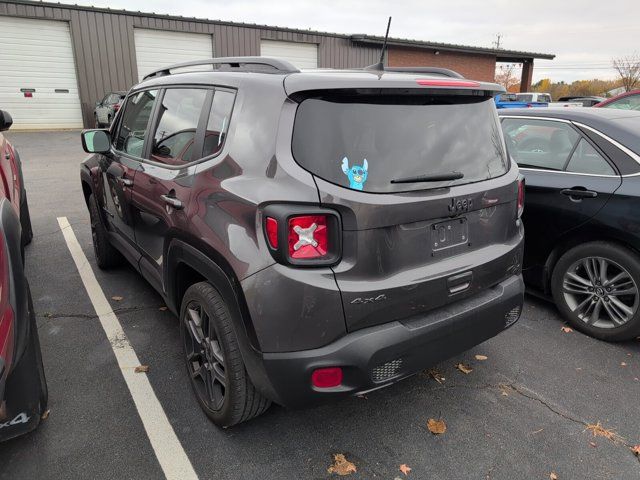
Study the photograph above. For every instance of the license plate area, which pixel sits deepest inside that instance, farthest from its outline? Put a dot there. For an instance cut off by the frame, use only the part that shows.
(446, 236)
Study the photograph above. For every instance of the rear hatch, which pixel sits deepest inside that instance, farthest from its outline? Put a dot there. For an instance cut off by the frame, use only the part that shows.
(410, 246)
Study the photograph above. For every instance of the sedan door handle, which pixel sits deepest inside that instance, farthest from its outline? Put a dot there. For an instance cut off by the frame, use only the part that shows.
(127, 182)
(579, 193)
(173, 201)
(7, 156)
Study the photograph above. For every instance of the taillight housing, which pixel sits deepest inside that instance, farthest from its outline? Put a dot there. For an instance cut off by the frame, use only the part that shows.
(521, 185)
(116, 107)
(298, 235)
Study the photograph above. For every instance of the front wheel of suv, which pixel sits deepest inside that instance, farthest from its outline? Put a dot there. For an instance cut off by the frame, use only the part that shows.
(217, 372)
(106, 254)
(596, 288)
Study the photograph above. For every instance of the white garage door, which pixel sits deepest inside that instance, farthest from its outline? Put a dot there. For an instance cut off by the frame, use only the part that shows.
(36, 57)
(158, 48)
(302, 55)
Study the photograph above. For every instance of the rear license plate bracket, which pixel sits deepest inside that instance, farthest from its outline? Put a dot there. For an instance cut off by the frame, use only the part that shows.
(449, 234)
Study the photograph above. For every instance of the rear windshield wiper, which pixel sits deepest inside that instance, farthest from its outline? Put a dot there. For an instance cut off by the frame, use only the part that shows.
(438, 177)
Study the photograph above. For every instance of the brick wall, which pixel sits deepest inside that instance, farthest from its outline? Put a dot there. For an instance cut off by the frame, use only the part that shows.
(473, 66)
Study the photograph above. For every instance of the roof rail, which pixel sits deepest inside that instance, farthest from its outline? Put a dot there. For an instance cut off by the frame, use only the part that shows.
(243, 64)
(426, 70)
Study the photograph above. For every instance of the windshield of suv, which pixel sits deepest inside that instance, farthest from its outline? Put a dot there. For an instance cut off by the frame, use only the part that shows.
(364, 142)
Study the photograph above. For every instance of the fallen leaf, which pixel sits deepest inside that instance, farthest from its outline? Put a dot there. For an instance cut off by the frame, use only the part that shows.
(162, 309)
(363, 397)
(117, 298)
(593, 444)
(504, 390)
(623, 364)
(537, 431)
(636, 449)
(481, 357)
(142, 369)
(436, 375)
(404, 468)
(553, 476)
(566, 329)
(466, 369)
(45, 415)
(437, 427)
(599, 431)
(341, 466)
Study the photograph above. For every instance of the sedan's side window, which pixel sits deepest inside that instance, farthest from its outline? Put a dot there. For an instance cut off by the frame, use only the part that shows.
(134, 122)
(586, 159)
(175, 134)
(542, 144)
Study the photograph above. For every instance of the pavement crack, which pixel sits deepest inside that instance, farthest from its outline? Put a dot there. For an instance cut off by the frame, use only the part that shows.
(88, 316)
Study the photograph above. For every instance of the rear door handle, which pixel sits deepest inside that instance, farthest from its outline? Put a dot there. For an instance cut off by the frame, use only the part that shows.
(127, 182)
(173, 201)
(7, 156)
(579, 193)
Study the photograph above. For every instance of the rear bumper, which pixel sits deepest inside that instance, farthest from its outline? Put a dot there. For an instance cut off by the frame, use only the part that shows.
(378, 356)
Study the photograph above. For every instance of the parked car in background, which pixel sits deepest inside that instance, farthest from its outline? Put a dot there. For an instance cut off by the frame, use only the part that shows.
(588, 101)
(582, 170)
(544, 98)
(107, 108)
(23, 388)
(624, 101)
(510, 100)
(312, 263)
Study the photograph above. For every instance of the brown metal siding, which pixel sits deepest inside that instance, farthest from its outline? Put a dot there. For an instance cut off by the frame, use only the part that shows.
(104, 48)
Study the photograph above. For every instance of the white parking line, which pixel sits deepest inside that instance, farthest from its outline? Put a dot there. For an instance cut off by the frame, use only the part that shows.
(173, 460)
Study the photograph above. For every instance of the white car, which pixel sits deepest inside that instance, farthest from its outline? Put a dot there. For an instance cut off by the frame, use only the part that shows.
(544, 98)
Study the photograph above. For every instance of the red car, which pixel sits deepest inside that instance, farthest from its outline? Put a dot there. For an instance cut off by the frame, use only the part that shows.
(624, 101)
(23, 389)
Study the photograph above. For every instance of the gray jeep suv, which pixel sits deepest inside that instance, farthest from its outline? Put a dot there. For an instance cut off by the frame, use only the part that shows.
(319, 234)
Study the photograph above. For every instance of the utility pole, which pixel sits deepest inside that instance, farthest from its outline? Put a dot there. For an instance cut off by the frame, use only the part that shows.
(496, 44)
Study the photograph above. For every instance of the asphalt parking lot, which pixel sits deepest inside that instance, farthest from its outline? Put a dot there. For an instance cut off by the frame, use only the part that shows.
(522, 413)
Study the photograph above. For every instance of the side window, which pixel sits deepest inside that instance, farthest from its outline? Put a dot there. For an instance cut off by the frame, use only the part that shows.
(544, 98)
(178, 122)
(539, 143)
(632, 102)
(218, 122)
(586, 159)
(134, 122)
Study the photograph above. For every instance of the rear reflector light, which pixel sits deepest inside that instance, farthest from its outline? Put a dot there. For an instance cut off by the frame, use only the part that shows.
(272, 232)
(520, 197)
(116, 107)
(326, 377)
(446, 83)
(308, 237)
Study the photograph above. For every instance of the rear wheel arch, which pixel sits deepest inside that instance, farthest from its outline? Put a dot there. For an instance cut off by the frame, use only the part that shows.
(188, 264)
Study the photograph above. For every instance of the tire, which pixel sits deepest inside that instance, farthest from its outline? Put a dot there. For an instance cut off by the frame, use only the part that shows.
(106, 254)
(25, 221)
(605, 306)
(227, 396)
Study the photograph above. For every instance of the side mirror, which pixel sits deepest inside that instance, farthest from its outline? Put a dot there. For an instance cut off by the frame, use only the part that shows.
(5, 121)
(95, 141)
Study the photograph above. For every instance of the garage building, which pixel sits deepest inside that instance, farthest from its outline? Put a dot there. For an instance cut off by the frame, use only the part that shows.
(57, 60)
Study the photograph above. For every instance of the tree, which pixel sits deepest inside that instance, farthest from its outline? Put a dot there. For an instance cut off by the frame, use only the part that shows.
(506, 77)
(629, 70)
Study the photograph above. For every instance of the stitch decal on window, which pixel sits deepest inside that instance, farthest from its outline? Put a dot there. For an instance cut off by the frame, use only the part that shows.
(357, 174)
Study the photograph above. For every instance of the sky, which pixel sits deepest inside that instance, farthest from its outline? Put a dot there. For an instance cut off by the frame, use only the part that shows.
(584, 35)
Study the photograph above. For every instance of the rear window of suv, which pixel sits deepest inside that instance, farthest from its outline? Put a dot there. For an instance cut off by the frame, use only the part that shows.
(365, 141)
